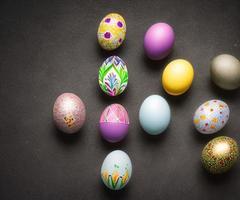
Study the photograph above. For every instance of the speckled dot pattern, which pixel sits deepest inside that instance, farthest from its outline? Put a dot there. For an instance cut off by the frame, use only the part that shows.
(69, 113)
(220, 154)
(211, 116)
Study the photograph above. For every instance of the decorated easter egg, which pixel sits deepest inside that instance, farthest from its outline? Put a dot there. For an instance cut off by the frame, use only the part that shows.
(158, 41)
(154, 114)
(220, 154)
(111, 31)
(113, 76)
(116, 170)
(225, 71)
(69, 113)
(211, 116)
(177, 77)
(114, 123)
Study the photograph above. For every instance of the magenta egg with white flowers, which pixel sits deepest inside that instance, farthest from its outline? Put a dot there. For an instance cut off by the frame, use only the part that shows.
(69, 113)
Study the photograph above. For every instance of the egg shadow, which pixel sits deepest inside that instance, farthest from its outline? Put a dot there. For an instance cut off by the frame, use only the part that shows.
(114, 194)
(156, 65)
(104, 54)
(229, 95)
(68, 139)
(199, 137)
(176, 100)
(152, 139)
(216, 179)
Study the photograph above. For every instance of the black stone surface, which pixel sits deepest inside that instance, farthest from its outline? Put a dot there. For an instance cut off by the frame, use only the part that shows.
(50, 47)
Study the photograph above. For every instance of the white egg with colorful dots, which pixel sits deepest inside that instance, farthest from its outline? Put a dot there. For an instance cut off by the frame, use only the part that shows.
(211, 116)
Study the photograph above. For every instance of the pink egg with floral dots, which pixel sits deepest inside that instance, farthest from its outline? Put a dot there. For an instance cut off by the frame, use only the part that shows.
(69, 113)
(211, 116)
(114, 123)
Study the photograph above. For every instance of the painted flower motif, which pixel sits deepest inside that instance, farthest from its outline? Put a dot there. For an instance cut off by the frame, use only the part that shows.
(113, 76)
(124, 178)
(111, 83)
(105, 176)
(114, 180)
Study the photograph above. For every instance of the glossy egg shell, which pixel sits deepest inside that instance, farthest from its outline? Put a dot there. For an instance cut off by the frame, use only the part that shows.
(220, 154)
(159, 40)
(211, 116)
(116, 170)
(111, 31)
(154, 114)
(69, 113)
(177, 77)
(225, 71)
(113, 76)
(114, 123)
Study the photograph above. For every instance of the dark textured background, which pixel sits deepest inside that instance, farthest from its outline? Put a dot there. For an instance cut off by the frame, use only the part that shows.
(50, 47)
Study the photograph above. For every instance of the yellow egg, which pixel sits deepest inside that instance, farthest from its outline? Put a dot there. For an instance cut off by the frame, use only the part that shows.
(111, 31)
(177, 77)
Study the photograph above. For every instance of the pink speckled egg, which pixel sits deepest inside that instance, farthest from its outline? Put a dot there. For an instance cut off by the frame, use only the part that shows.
(69, 113)
(114, 123)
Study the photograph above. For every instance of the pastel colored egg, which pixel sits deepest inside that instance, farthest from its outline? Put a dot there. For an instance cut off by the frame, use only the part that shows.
(114, 123)
(69, 113)
(111, 31)
(116, 170)
(220, 155)
(113, 76)
(225, 71)
(159, 41)
(177, 77)
(211, 116)
(154, 114)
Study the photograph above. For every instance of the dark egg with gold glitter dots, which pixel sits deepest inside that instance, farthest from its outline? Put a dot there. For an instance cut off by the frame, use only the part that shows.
(220, 154)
